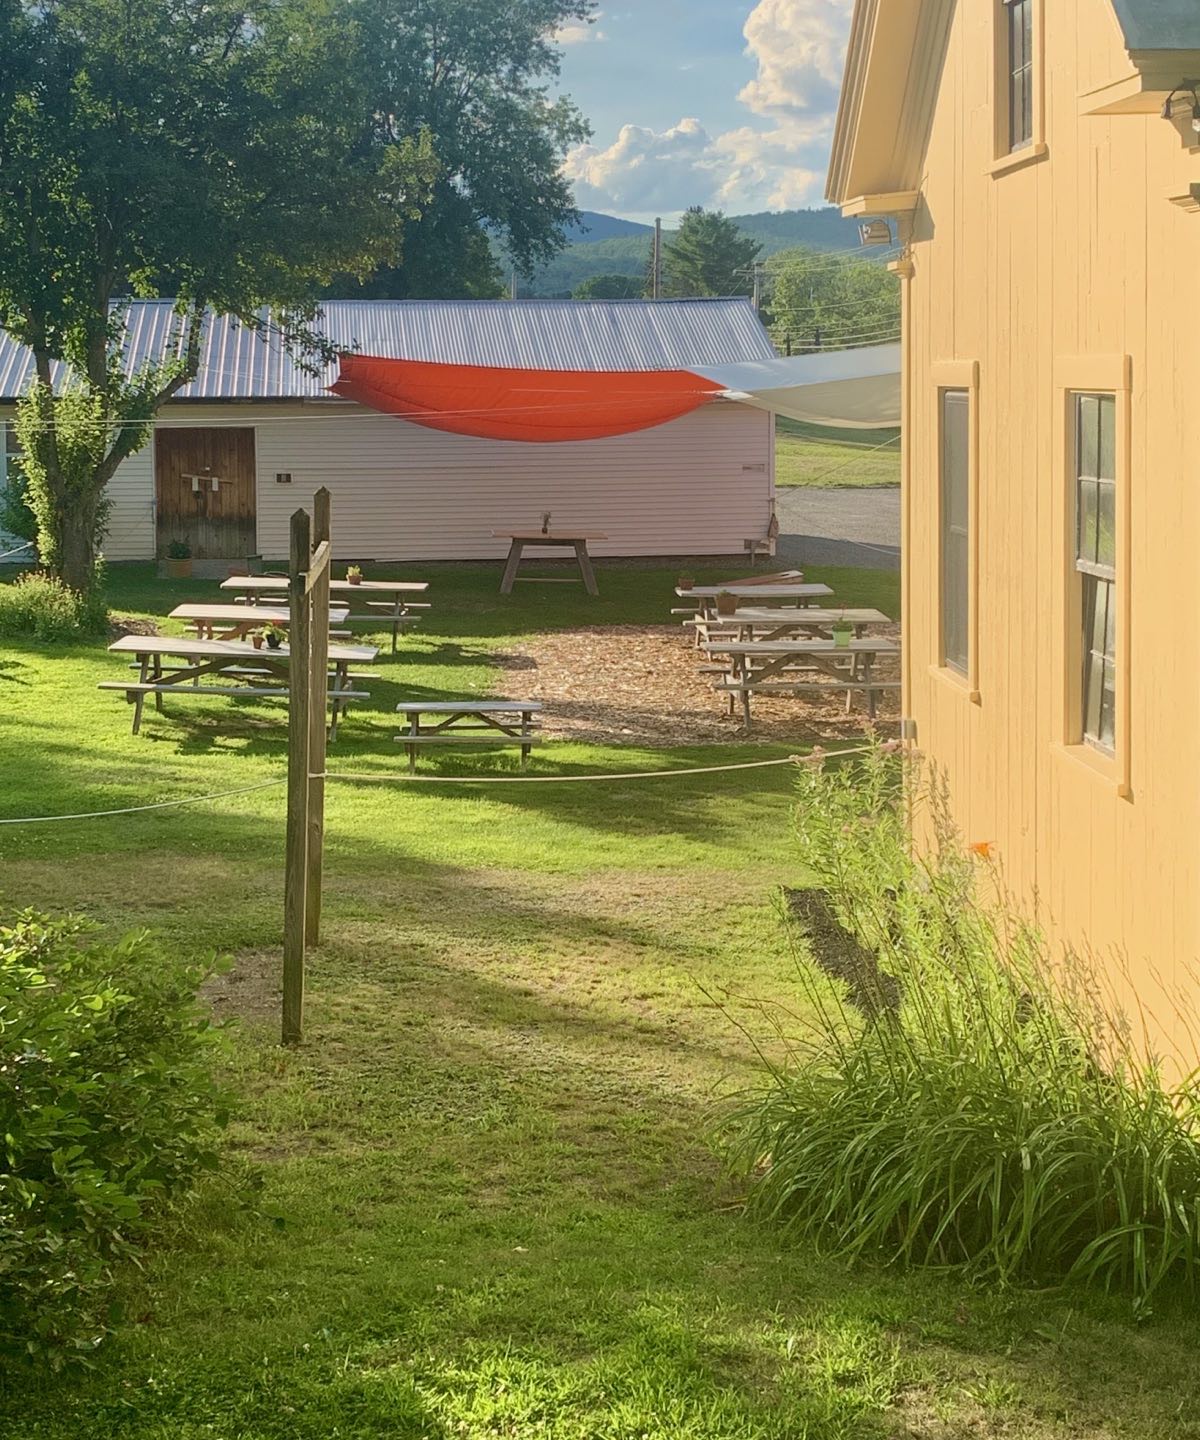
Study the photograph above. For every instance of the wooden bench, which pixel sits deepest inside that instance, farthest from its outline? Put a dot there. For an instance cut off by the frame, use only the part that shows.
(468, 722)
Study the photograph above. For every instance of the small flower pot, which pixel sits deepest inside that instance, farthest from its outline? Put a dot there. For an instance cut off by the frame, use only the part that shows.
(274, 642)
(354, 579)
(256, 641)
(685, 582)
(178, 569)
(727, 604)
(842, 634)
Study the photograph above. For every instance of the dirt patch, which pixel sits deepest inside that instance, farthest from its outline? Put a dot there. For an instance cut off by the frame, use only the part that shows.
(119, 625)
(250, 991)
(643, 684)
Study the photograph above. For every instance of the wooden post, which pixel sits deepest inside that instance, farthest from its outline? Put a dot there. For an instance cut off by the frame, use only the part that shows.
(317, 710)
(296, 874)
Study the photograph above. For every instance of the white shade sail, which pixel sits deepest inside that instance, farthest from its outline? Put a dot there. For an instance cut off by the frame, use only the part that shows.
(852, 389)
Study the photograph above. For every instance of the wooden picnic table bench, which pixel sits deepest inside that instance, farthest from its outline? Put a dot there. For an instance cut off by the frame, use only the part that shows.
(573, 539)
(778, 622)
(394, 612)
(468, 722)
(176, 665)
(767, 667)
(235, 621)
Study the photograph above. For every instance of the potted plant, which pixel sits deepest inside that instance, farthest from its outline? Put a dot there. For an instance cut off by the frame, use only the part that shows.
(179, 560)
(685, 582)
(273, 634)
(843, 632)
(727, 603)
(354, 575)
(256, 638)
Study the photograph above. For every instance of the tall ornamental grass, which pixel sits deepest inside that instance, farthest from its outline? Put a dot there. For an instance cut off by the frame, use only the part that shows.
(995, 1117)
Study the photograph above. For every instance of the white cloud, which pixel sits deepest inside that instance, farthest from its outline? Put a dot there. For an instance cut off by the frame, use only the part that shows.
(776, 163)
(580, 32)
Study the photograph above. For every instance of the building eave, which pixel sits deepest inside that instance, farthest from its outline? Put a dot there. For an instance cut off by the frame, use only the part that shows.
(1144, 88)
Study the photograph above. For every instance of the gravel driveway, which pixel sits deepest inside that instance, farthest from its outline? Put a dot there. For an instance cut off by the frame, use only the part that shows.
(840, 527)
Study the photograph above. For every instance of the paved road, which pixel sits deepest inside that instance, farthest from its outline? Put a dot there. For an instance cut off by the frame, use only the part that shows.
(840, 527)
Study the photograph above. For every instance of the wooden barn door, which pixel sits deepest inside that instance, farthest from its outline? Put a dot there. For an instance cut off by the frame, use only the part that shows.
(204, 479)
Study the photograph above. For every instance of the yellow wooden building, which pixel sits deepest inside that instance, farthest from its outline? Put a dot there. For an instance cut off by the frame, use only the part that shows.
(1041, 159)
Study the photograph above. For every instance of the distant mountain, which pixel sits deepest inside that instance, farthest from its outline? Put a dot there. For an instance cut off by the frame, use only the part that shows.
(610, 246)
(593, 227)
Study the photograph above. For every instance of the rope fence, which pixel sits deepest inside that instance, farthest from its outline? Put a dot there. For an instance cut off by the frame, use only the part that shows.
(365, 777)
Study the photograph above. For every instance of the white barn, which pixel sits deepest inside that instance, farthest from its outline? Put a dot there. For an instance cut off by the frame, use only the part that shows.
(255, 435)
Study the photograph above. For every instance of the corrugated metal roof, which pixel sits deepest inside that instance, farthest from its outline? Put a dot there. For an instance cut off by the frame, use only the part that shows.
(243, 364)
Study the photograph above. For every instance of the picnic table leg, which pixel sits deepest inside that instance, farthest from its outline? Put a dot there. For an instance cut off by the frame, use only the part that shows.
(526, 726)
(140, 698)
(585, 567)
(156, 676)
(511, 567)
(414, 729)
(746, 705)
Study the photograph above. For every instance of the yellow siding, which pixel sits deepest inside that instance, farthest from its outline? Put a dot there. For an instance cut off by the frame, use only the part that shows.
(1075, 257)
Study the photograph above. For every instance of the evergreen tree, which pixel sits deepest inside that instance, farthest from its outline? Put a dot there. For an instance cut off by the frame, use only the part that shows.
(709, 255)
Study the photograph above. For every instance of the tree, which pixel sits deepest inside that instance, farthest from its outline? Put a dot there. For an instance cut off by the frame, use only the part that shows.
(610, 287)
(475, 76)
(819, 299)
(219, 153)
(709, 255)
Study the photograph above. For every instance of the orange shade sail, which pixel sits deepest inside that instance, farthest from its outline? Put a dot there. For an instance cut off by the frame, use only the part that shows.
(538, 406)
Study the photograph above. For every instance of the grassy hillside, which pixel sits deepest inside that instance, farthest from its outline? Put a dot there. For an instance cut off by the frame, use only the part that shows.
(816, 456)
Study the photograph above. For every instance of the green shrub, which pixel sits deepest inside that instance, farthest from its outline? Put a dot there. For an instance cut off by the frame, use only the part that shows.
(38, 606)
(108, 1112)
(990, 1114)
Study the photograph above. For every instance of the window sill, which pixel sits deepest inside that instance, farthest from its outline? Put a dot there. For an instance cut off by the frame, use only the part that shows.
(1030, 155)
(956, 681)
(1103, 767)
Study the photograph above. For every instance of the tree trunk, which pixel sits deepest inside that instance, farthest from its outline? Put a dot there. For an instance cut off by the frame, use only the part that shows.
(77, 556)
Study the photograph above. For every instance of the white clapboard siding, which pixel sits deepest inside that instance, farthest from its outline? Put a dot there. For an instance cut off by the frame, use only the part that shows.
(699, 485)
(702, 485)
(131, 519)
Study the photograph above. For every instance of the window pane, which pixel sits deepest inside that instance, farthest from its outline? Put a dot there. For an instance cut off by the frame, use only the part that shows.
(956, 505)
(1093, 691)
(1088, 519)
(1110, 624)
(1088, 407)
(1106, 544)
(1108, 710)
(1107, 468)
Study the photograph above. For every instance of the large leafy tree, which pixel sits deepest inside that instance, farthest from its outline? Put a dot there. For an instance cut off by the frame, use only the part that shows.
(818, 299)
(219, 153)
(709, 255)
(476, 75)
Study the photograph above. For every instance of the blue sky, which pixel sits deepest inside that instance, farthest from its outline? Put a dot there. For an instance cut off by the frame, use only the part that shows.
(724, 103)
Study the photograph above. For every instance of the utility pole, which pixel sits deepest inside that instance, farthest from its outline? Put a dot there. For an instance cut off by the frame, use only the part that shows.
(656, 262)
(759, 277)
(512, 289)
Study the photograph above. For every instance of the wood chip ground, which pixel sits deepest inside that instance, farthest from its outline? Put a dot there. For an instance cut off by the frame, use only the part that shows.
(642, 685)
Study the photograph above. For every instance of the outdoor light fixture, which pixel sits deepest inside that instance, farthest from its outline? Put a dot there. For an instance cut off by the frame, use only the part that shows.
(875, 232)
(1185, 87)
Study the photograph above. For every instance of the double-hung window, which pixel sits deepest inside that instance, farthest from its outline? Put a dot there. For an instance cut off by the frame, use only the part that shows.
(1095, 418)
(1018, 69)
(956, 529)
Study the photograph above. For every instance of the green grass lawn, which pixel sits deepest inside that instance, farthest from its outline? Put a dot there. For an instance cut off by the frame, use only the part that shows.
(489, 1208)
(816, 455)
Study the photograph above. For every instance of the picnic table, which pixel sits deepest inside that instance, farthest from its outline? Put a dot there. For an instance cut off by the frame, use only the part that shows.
(236, 621)
(769, 666)
(468, 722)
(796, 592)
(774, 623)
(176, 665)
(391, 608)
(573, 539)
